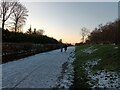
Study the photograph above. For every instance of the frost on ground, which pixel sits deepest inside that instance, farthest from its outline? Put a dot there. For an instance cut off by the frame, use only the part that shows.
(116, 47)
(89, 50)
(37, 71)
(67, 74)
(101, 78)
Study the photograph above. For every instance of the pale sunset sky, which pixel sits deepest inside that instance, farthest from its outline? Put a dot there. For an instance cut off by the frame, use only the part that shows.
(64, 20)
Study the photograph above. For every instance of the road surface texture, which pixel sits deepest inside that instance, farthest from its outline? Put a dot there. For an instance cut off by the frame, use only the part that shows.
(38, 71)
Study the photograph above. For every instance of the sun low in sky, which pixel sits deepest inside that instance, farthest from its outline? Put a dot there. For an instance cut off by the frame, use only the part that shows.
(64, 20)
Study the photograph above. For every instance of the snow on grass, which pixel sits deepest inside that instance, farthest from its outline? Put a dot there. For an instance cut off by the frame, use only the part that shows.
(66, 79)
(89, 50)
(106, 79)
(102, 78)
(116, 47)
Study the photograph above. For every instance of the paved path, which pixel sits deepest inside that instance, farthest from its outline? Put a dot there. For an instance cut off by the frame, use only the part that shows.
(38, 71)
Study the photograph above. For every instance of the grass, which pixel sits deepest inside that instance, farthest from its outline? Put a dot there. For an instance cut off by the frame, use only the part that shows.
(110, 61)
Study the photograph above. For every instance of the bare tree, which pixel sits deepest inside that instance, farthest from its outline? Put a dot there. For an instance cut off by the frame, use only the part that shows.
(6, 9)
(84, 33)
(19, 16)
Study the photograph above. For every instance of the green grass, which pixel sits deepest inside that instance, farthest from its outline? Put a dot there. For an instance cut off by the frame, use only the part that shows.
(110, 61)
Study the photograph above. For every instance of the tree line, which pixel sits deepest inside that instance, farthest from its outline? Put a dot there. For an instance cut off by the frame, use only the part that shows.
(105, 34)
(13, 15)
(108, 33)
(20, 37)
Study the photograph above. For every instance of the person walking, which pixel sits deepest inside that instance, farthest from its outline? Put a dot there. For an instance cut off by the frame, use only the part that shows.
(65, 47)
(61, 45)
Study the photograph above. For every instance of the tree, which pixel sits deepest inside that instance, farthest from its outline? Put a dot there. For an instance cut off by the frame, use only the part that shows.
(109, 33)
(6, 9)
(34, 32)
(29, 30)
(84, 33)
(40, 32)
(19, 16)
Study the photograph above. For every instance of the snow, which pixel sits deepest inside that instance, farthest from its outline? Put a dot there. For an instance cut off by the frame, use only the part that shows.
(106, 79)
(38, 71)
(66, 80)
(0, 77)
(116, 47)
(89, 50)
(102, 78)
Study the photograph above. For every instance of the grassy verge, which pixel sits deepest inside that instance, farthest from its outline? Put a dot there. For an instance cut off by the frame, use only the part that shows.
(109, 61)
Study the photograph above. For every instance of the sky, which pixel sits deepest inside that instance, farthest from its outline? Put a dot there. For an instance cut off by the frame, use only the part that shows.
(64, 20)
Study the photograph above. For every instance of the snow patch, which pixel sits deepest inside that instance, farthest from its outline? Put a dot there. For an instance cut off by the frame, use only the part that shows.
(102, 78)
(89, 50)
(116, 47)
(106, 79)
(66, 80)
